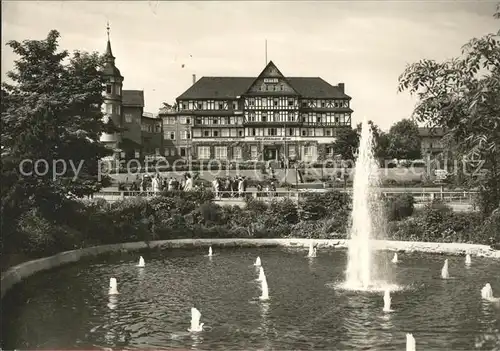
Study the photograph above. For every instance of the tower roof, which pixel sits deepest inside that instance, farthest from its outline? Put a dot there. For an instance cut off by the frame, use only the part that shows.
(110, 68)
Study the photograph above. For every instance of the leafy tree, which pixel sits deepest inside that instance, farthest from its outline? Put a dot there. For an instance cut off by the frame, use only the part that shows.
(51, 110)
(346, 143)
(404, 141)
(463, 96)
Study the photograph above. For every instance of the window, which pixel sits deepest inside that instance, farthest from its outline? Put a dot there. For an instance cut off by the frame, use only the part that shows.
(196, 133)
(188, 120)
(199, 121)
(224, 133)
(329, 151)
(216, 133)
(206, 133)
(290, 102)
(291, 150)
(157, 151)
(304, 132)
(158, 128)
(182, 120)
(128, 118)
(272, 132)
(203, 152)
(183, 151)
(328, 132)
(167, 152)
(200, 105)
(184, 106)
(253, 152)
(221, 106)
(307, 151)
(172, 136)
(240, 133)
(237, 153)
(220, 152)
(109, 109)
(118, 90)
(254, 132)
(235, 105)
(173, 151)
(290, 131)
(185, 134)
(109, 88)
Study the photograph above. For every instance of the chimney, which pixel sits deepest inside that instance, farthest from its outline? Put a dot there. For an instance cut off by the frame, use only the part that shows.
(341, 86)
(194, 78)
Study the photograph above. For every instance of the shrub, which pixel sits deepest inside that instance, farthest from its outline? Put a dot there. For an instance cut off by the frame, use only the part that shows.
(399, 206)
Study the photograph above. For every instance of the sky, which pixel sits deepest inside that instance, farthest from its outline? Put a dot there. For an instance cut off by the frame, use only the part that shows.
(159, 45)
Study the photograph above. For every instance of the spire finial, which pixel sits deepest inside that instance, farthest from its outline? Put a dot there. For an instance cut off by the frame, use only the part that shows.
(107, 28)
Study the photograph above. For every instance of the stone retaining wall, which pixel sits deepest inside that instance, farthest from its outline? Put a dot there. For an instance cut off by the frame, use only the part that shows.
(17, 273)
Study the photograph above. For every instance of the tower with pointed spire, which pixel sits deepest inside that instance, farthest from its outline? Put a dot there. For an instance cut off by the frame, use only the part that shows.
(112, 107)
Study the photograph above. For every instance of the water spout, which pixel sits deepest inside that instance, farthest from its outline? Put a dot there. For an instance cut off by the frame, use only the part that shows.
(395, 258)
(210, 253)
(410, 342)
(444, 271)
(141, 263)
(265, 289)
(257, 263)
(312, 250)
(262, 276)
(113, 286)
(196, 326)
(487, 293)
(468, 260)
(365, 209)
(387, 301)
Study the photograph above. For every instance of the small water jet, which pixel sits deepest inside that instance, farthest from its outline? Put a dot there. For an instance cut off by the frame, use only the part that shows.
(312, 250)
(410, 342)
(262, 276)
(395, 258)
(141, 263)
(265, 289)
(387, 301)
(257, 263)
(444, 271)
(196, 326)
(487, 293)
(468, 260)
(210, 253)
(113, 286)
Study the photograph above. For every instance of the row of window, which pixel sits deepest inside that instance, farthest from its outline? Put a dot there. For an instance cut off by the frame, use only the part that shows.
(282, 102)
(111, 109)
(221, 152)
(151, 128)
(171, 135)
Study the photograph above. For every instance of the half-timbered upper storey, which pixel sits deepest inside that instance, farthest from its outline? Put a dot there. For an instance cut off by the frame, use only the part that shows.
(270, 98)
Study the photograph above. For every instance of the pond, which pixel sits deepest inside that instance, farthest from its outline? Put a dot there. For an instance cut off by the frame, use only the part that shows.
(69, 308)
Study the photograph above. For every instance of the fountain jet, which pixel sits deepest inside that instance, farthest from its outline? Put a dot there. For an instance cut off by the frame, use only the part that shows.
(395, 258)
(444, 271)
(210, 253)
(468, 260)
(410, 342)
(312, 250)
(257, 263)
(387, 301)
(113, 286)
(364, 203)
(262, 276)
(265, 289)
(196, 326)
(141, 262)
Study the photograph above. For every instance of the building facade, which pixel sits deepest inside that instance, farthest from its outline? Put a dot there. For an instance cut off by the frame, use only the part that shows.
(431, 141)
(270, 117)
(151, 135)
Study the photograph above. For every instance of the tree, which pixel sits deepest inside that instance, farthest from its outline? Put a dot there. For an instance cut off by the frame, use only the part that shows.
(346, 143)
(462, 95)
(404, 141)
(51, 110)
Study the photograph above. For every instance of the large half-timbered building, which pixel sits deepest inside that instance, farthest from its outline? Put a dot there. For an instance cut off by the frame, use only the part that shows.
(271, 117)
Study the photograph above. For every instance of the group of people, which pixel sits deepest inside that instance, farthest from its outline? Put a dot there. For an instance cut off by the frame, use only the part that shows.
(229, 187)
(157, 183)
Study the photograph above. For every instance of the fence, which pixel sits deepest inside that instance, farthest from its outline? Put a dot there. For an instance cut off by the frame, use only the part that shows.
(463, 197)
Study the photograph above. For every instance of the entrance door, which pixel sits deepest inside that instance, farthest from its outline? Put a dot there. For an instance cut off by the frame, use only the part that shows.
(270, 153)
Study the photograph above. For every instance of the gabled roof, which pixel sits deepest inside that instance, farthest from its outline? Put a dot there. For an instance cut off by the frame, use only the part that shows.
(133, 98)
(232, 87)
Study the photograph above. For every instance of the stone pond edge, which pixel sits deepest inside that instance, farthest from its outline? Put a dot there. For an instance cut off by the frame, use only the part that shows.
(24, 270)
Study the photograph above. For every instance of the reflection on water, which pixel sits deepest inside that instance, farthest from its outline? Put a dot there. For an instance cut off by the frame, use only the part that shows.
(70, 307)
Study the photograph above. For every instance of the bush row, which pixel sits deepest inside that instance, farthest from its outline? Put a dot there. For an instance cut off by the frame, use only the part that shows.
(194, 215)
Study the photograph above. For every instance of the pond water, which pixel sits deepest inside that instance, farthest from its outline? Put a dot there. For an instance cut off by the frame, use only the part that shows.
(69, 308)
